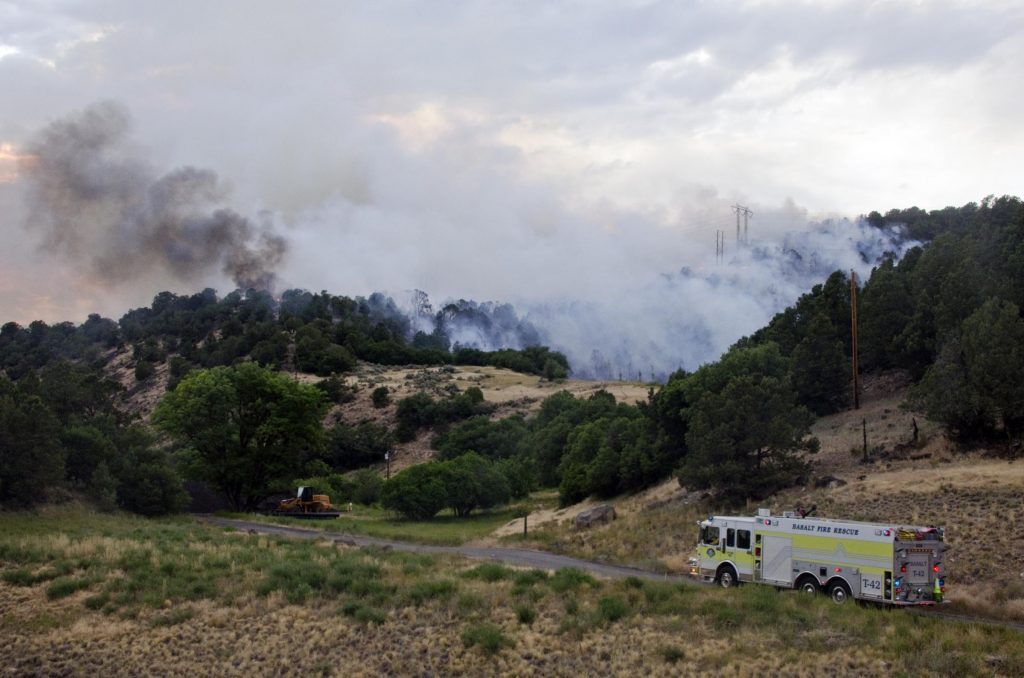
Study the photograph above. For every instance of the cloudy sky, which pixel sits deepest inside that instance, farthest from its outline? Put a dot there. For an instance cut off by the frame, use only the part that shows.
(522, 151)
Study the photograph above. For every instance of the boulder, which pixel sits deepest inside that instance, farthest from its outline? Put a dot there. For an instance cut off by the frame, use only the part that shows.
(599, 514)
(830, 482)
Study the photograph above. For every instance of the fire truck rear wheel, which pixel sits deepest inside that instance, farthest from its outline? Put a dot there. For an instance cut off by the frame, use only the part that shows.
(726, 577)
(838, 593)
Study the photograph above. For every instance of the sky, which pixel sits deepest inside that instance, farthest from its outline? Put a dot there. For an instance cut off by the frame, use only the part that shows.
(549, 154)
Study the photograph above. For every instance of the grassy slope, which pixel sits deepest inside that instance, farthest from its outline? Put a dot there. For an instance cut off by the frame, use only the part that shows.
(979, 499)
(84, 593)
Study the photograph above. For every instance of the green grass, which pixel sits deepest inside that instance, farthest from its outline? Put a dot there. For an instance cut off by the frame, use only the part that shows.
(445, 529)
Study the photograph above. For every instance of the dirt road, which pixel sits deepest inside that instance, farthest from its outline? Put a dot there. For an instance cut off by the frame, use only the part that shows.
(519, 557)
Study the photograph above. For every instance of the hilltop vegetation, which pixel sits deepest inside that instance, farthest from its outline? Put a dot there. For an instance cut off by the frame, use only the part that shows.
(948, 313)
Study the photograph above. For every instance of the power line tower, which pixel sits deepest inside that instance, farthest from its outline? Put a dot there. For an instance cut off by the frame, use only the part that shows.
(719, 246)
(747, 213)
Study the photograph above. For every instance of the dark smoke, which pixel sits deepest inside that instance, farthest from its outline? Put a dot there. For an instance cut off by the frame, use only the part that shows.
(96, 202)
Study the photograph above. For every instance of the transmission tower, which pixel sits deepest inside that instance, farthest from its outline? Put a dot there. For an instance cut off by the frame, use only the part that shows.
(747, 213)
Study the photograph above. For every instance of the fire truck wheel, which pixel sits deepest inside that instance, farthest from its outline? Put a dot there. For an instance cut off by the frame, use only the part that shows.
(838, 593)
(727, 577)
(809, 586)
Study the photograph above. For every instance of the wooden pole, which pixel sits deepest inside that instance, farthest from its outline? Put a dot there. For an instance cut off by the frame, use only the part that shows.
(853, 329)
(864, 428)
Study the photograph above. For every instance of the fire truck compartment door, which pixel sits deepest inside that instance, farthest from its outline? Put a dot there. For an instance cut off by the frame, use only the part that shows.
(777, 560)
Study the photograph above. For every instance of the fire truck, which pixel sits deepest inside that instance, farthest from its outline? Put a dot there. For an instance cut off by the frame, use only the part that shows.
(887, 563)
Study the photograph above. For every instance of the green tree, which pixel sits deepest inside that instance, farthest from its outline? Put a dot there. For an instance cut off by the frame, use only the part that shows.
(820, 368)
(418, 492)
(745, 428)
(31, 458)
(474, 482)
(976, 379)
(993, 345)
(245, 428)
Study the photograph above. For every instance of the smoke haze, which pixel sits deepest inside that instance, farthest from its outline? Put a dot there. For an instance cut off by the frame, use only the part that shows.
(97, 204)
(574, 164)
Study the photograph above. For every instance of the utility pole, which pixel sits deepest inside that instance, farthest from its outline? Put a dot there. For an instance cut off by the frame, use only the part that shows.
(853, 330)
(747, 213)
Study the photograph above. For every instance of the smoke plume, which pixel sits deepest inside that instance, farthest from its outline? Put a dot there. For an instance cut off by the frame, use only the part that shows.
(96, 202)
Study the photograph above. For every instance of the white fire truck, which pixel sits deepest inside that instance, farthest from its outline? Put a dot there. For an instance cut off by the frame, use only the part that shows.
(887, 563)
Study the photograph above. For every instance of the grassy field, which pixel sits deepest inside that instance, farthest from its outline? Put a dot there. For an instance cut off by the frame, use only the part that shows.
(88, 593)
(444, 530)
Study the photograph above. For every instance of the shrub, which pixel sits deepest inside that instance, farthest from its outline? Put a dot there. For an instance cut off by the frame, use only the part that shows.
(144, 370)
(64, 587)
(367, 487)
(431, 590)
(381, 397)
(488, 636)
(489, 572)
(612, 609)
(526, 614)
(353, 447)
(336, 390)
(671, 653)
(570, 579)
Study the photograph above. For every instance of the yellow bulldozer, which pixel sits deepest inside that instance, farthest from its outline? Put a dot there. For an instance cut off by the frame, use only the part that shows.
(307, 504)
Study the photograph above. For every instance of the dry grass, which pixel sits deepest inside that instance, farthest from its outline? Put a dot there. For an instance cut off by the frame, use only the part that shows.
(410, 614)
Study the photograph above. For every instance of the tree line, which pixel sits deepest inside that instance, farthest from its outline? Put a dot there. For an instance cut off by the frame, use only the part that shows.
(321, 334)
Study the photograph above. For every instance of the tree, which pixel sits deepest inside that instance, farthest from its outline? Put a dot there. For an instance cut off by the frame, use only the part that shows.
(245, 429)
(976, 379)
(745, 427)
(993, 345)
(474, 482)
(418, 492)
(31, 459)
(821, 371)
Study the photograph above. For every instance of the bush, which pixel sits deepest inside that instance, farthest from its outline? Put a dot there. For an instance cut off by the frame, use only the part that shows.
(352, 447)
(144, 370)
(381, 397)
(488, 636)
(489, 572)
(570, 579)
(431, 590)
(64, 587)
(367, 487)
(526, 614)
(612, 609)
(336, 390)
(671, 653)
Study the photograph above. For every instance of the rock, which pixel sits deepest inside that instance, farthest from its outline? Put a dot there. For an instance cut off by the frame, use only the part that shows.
(831, 482)
(599, 514)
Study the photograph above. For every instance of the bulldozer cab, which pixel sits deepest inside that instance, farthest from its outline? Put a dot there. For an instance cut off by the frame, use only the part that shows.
(305, 494)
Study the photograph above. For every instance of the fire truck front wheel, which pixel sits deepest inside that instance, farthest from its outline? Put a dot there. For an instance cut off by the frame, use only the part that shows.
(726, 577)
(808, 585)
